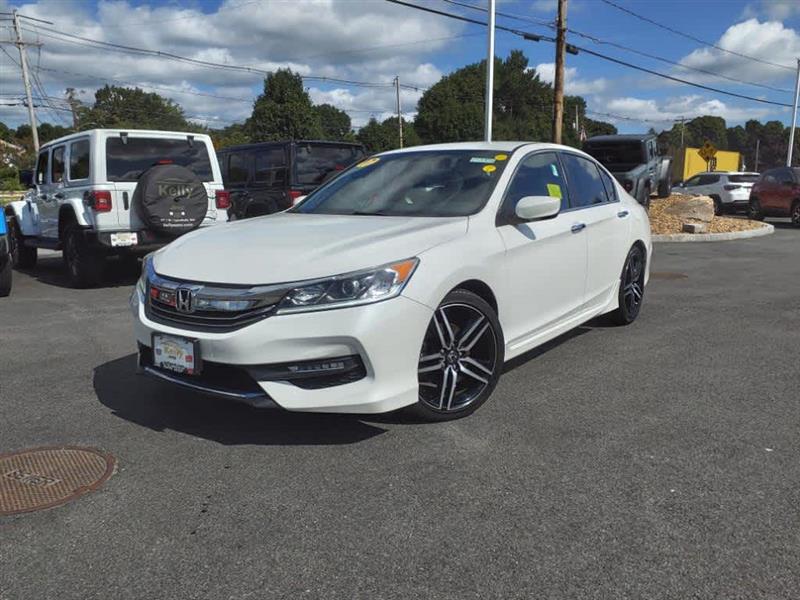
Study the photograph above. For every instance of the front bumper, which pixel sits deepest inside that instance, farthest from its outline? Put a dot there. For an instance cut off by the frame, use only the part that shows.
(386, 336)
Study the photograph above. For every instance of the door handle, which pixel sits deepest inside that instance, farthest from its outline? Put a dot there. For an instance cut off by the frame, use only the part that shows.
(622, 214)
(578, 227)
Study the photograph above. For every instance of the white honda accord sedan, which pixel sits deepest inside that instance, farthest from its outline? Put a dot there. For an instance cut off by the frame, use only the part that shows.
(406, 281)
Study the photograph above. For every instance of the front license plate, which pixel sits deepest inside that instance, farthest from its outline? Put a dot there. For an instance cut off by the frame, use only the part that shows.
(176, 354)
(124, 239)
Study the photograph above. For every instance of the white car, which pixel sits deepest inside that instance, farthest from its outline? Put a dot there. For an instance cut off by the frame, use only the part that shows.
(730, 190)
(408, 280)
(107, 192)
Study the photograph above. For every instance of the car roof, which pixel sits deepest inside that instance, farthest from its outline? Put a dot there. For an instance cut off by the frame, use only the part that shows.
(625, 137)
(138, 132)
(284, 143)
(726, 173)
(483, 146)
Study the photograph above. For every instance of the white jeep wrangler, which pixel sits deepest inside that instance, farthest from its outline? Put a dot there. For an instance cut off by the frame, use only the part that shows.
(109, 192)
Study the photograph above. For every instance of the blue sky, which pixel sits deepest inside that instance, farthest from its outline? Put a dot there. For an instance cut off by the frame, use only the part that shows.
(372, 41)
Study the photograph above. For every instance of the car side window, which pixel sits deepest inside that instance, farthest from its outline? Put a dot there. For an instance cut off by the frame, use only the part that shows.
(58, 167)
(583, 178)
(270, 166)
(692, 181)
(786, 177)
(41, 167)
(78, 160)
(237, 167)
(611, 189)
(537, 174)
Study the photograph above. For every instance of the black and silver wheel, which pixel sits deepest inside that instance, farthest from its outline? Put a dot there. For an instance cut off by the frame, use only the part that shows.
(796, 214)
(84, 267)
(718, 208)
(461, 357)
(631, 288)
(22, 256)
(754, 211)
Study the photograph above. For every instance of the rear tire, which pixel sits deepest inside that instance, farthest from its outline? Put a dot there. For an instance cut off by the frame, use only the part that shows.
(84, 267)
(5, 279)
(461, 358)
(754, 211)
(631, 287)
(22, 257)
(665, 187)
(796, 213)
(719, 210)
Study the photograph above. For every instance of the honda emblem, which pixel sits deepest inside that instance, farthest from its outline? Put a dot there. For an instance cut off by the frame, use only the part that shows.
(184, 299)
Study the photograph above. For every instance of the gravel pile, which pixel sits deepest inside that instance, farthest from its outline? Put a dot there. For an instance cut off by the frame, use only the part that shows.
(662, 223)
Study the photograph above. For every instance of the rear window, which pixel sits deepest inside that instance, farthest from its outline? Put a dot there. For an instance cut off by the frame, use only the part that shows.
(617, 155)
(316, 163)
(237, 168)
(743, 178)
(127, 161)
(270, 165)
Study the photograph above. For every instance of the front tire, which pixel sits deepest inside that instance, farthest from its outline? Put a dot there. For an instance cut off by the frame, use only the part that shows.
(22, 257)
(665, 187)
(796, 214)
(5, 279)
(754, 211)
(84, 267)
(631, 287)
(461, 358)
(718, 208)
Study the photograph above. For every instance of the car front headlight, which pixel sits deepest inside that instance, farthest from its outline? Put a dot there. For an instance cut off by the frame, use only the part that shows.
(351, 289)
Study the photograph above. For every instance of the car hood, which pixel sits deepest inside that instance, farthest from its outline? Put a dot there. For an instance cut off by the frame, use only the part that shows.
(287, 247)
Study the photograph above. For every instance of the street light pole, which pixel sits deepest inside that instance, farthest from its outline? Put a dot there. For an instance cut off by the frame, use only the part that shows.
(794, 117)
(399, 111)
(489, 76)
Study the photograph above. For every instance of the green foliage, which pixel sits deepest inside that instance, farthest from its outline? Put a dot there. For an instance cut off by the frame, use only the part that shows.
(120, 107)
(284, 111)
(233, 135)
(335, 123)
(598, 128)
(379, 137)
(453, 109)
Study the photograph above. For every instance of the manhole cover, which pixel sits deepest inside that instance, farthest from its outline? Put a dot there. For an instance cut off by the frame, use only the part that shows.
(669, 275)
(46, 477)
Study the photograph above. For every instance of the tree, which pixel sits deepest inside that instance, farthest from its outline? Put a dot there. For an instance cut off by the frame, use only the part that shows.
(452, 110)
(593, 127)
(121, 107)
(284, 110)
(233, 135)
(335, 123)
(378, 137)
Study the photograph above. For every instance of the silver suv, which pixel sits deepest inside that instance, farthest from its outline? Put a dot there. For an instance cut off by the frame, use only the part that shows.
(106, 192)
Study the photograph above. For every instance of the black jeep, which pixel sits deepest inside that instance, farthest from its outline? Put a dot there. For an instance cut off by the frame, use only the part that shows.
(635, 162)
(267, 177)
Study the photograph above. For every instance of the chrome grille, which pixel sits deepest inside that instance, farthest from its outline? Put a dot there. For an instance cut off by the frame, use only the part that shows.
(210, 307)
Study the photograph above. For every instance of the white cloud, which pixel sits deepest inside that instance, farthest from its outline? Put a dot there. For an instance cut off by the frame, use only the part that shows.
(572, 83)
(359, 40)
(770, 42)
(775, 10)
(671, 109)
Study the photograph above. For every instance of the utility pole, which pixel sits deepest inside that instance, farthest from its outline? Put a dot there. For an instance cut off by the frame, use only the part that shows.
(487, 126)
(399, 111)
(558, 83)
(794, 117)
(23, 58)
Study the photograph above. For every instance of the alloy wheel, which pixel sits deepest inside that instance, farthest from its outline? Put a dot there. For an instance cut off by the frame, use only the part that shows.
(458, 358)
(796, 214)
(633, 282)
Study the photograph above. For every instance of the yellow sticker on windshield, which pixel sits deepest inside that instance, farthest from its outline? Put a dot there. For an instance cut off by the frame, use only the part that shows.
(554, 190)
(368, 162)
(489, 169)
(501, 156)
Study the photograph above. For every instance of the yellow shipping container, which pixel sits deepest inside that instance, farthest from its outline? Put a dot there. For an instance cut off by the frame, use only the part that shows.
(694, 164)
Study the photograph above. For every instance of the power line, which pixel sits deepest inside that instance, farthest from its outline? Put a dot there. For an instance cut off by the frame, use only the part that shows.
(693, 38)
(575, 49)
(596, 40)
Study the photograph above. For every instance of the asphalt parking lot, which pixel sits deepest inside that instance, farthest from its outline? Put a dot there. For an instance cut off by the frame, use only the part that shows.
(654, 461)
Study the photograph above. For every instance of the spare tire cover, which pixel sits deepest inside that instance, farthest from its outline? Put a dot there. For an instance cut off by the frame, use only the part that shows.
(170, 199)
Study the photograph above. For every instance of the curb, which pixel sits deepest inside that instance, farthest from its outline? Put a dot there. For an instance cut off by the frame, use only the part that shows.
(765, 229)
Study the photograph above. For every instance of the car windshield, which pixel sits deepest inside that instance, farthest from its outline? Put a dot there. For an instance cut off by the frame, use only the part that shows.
(316, 162)
(615, 155)
(750, 178)
(416, 184)
(127, 159)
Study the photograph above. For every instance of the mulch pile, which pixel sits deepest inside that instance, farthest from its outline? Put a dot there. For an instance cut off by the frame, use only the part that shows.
(662, 223)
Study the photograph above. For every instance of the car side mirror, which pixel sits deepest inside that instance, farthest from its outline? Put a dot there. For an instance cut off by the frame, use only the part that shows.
(26, 178)
(531, 208)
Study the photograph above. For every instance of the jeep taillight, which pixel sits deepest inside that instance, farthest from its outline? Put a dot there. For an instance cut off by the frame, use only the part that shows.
(99, 200)
(222, 199)
(294, 195)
